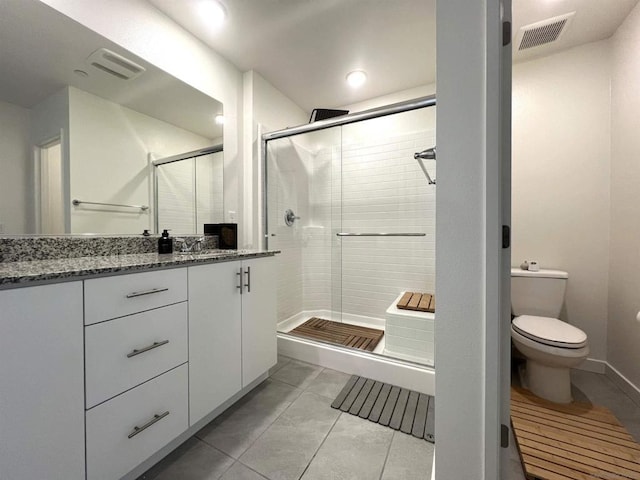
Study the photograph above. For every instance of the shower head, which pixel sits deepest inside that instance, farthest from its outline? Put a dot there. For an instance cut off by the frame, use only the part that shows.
(428, 154)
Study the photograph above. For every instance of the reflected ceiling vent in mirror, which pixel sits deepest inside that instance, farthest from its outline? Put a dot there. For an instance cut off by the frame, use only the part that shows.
(541, 33)
(115, 64)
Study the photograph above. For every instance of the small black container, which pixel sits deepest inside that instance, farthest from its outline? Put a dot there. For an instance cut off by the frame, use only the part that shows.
(165, 243)
(227, 234)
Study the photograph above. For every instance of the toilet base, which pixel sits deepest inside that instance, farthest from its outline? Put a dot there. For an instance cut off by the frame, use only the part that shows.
(550, 383)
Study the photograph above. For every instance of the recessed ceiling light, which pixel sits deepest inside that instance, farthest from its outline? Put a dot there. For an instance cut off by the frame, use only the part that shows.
(81, 73)
(219, 119)
(213, 13)
(356, 78)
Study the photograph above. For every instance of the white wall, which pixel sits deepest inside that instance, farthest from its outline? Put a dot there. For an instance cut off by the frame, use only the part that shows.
(560, 177)
(108, 141)
(15, 180)
(267, 109)
(624, 275)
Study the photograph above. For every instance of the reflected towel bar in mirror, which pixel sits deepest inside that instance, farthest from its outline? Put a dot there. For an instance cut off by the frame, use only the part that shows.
(80, 202)
(346, 234)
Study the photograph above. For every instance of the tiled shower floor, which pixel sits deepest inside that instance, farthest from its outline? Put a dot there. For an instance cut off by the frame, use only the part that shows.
(285, 429)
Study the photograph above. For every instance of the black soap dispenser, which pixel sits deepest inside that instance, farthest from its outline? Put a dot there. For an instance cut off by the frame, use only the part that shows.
(165, 244)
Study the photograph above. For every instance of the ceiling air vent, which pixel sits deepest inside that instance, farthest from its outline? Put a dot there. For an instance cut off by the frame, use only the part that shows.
(541, 33)
(114, 64)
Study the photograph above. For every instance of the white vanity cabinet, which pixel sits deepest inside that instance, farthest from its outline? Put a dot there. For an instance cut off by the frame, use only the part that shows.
(259, 329)
(215, 356)
(232, 330)
(42, 383)
(98, 376)
(136, 368)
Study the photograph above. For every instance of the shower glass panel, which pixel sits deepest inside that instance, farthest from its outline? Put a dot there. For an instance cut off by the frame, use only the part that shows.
(366, 233)
(303, 176)
(189, 193)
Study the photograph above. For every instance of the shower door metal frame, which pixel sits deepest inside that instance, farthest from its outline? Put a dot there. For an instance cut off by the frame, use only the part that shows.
(401, 107)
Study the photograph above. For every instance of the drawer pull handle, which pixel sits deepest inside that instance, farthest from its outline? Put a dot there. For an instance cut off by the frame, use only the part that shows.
(146, 349)
(146, 292)
(156, 418)
(239, 274)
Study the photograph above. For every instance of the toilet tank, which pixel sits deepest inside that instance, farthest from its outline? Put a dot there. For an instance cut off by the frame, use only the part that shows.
(537, 293)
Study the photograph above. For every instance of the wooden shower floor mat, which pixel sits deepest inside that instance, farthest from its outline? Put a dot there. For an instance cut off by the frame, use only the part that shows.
(339, 333)
(577, 441)
(419, 302)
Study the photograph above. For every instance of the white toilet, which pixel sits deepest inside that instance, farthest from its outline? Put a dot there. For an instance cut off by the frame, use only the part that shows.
(552, 347)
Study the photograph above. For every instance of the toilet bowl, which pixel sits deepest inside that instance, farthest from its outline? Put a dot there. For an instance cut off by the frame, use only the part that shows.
(551, 347)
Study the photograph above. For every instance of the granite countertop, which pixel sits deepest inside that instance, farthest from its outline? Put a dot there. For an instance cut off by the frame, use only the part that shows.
(19, 274)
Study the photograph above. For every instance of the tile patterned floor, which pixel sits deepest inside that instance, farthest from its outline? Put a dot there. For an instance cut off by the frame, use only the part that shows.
(599, 390)
(285, 429)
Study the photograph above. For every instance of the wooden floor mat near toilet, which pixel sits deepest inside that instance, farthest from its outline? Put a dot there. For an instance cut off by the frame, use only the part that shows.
(577, 441)
(344, 334)
(410, 412)
(419, 302)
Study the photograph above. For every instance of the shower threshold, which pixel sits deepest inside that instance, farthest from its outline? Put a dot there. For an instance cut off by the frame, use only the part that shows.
(384, 369)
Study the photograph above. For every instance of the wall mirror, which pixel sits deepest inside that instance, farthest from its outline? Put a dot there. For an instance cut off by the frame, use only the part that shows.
(82, 121)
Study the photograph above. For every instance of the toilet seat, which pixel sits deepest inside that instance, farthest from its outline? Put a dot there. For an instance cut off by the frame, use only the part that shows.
(549, 331)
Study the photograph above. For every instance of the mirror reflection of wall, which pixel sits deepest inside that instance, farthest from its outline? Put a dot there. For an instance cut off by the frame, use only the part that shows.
(189, 191)
(107, 128)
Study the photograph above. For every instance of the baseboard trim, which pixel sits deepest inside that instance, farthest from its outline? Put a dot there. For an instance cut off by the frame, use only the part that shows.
(593, 365)
(623, 382)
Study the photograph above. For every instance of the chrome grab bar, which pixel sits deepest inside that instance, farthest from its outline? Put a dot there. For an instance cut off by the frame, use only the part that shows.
(146, 349)
(156, 418)
(79, 202)
(146, 292)
(348, 234)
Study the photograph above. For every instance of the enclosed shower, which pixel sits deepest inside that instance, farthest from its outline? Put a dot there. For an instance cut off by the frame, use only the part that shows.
(350, 203)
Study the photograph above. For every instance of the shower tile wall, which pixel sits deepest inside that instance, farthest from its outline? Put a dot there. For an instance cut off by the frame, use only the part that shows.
(382, 190)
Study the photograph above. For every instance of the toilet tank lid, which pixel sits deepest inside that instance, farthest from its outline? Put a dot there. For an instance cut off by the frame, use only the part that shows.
(542, 273)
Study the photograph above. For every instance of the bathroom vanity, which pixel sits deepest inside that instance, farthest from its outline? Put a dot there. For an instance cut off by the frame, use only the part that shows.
(107, 363)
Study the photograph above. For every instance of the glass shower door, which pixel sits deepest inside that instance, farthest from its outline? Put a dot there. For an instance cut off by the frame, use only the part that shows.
(387, 237)
(302, 206)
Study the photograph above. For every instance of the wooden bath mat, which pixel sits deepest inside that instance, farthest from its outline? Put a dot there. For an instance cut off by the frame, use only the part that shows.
(410, 412)
(339, 333)
(420, 302)
(575, 441)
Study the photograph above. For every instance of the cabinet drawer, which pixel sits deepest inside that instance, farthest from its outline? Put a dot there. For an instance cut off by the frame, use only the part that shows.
(122, 353)
(113, 297)
(114, 446)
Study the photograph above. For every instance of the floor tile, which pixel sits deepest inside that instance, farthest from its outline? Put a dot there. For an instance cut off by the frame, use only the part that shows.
(237, 428)
(409, 458)
(286, 448)
(193, 460)
(354, 450)
(240, 472)
(328, 383)
(298, 374)
(282, 361)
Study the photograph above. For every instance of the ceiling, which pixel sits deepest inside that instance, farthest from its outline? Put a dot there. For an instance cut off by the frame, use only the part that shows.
(306, 47)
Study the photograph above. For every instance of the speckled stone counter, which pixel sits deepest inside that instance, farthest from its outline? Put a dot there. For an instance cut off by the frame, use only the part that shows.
(27, 273)
(50, 247)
